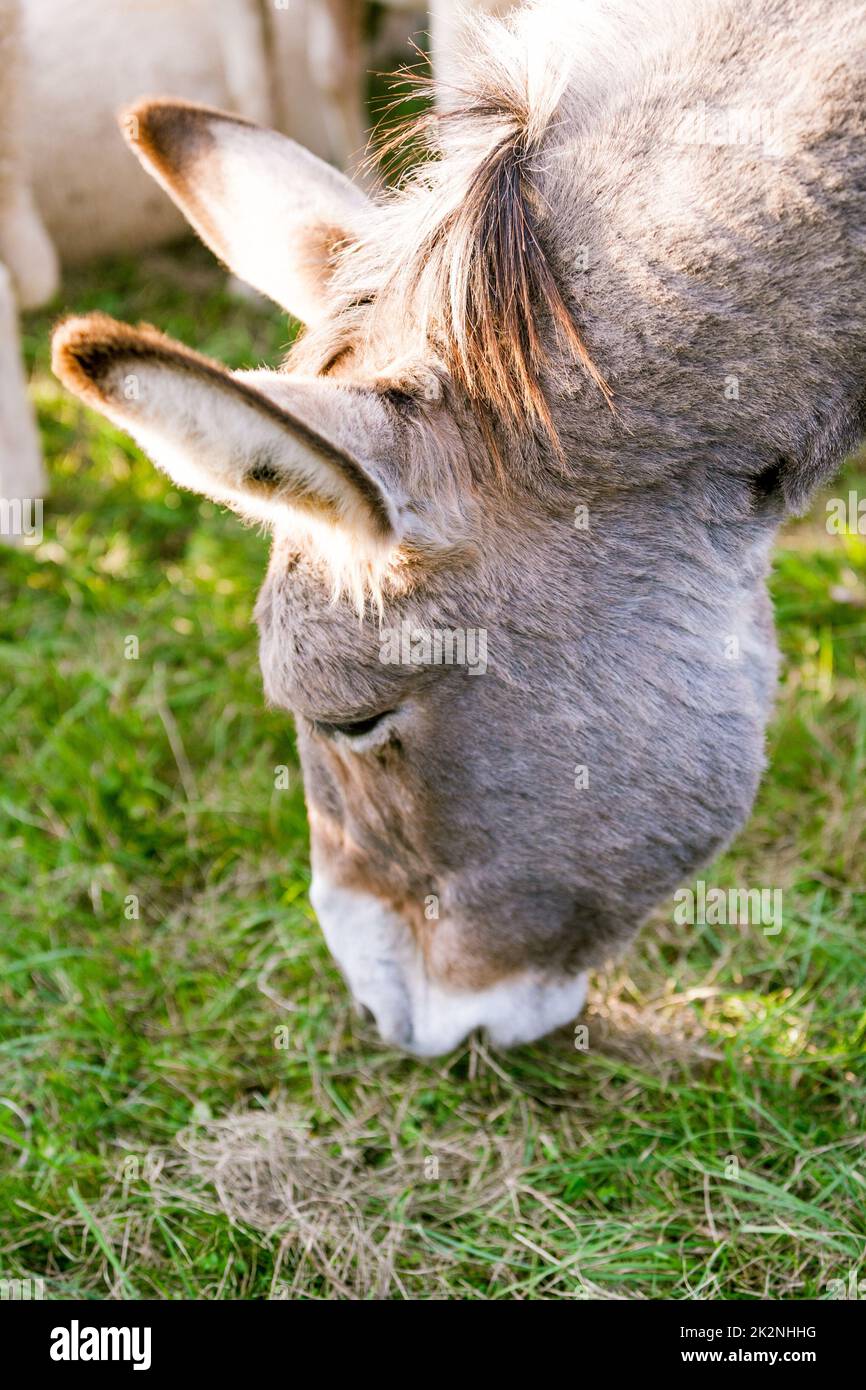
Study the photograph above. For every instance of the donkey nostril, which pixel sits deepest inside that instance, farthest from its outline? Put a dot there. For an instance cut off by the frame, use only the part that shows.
(362, 1012)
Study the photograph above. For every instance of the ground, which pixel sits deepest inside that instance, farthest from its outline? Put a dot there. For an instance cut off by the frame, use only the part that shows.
(191, 1108)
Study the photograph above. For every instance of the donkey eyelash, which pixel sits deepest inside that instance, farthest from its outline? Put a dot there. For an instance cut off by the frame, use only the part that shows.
(352, 728)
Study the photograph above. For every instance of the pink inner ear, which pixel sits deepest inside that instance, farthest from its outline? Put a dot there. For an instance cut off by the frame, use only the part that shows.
(317, 247)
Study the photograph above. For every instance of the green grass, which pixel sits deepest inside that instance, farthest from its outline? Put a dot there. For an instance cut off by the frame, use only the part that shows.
(192, 1107)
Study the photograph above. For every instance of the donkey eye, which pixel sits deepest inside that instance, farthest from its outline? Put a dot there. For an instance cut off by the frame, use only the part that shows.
(352, 728)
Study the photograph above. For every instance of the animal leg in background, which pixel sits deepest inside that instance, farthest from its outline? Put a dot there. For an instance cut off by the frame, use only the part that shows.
(241, 25)
(21, 472)
(25, 246)
(335, 38)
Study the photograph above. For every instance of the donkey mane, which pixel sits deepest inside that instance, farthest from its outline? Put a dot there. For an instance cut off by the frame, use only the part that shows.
(457, 256)
(492, 285)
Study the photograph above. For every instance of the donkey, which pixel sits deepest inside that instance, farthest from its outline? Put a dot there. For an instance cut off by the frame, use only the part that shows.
(561, 388)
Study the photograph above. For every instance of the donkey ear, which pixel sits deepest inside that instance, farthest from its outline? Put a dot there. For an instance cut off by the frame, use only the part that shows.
(247, 440)
(269, 209)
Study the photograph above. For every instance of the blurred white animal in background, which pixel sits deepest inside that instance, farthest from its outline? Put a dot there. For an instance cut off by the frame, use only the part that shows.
(28, 275)
(69, 190)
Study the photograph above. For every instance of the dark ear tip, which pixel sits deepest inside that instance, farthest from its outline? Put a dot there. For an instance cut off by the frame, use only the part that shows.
(146, 124)
(84, 348)
(158, 126)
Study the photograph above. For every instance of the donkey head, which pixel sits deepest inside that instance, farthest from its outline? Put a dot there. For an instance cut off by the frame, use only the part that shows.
(521, 623)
